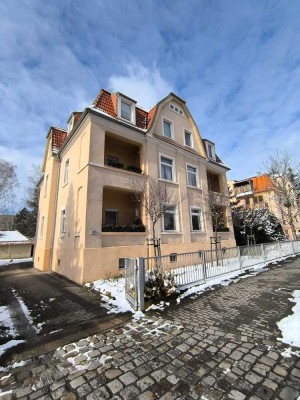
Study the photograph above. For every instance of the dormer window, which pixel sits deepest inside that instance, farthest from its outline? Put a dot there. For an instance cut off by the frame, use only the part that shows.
(70, 123)
(126, 108)
(125, 111)
(210, 150)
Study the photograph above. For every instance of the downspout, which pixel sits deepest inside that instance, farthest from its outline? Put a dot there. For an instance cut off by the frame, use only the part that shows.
(54, 215)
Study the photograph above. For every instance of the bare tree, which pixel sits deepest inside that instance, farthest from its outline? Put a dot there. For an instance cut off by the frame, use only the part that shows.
(8, 181)
(155, 198)
(285, 175)
(216, 206)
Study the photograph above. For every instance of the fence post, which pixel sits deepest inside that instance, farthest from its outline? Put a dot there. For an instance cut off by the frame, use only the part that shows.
(141, 283)
(240, 258)
(204, 265)
(280, 250)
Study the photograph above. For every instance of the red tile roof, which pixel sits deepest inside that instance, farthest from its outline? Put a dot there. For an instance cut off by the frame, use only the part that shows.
(58, 137)
(107, 102)
(151, 115)
(77, 115)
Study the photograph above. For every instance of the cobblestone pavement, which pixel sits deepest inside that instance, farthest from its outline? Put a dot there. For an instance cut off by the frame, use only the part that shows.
(221, 344)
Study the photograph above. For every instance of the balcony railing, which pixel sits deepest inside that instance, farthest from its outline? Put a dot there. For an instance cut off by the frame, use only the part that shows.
(110, 162)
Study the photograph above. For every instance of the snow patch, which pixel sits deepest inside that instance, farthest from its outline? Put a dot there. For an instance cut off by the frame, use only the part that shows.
(290, 325)
(5, 393)
(8, 345)
(13, 366)
(14, 261)
(289, 353)
(27, 313)
(6, 321)
(161, 306)
(112, 294)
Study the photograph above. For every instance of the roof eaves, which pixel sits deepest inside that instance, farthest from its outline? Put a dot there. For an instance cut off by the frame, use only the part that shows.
(126, 97)
(219, 164)
(177, 97)
(97, 111)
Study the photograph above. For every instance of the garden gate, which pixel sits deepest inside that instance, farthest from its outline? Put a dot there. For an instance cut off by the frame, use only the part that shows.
(134, 282)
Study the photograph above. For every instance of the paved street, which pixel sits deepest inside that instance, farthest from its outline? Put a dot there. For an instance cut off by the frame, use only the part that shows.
(221, 344)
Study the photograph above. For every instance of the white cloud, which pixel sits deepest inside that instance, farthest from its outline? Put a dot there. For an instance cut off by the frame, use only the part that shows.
(145, 85)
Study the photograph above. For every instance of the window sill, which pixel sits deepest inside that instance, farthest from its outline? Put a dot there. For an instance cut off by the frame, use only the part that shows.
(194, 187)
(195, 232)
(167, 181)
(170, 138)
(171, 233)
(123, 233)
(126, 120)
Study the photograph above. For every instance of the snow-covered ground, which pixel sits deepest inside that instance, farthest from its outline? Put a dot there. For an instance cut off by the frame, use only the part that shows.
(112, 294)
(113, 290)
(9, 333)
(290, 325)
(8, 329)
(14, 261)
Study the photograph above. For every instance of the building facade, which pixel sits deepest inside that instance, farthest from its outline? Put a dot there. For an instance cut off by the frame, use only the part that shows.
(87, 191)
(259, 192)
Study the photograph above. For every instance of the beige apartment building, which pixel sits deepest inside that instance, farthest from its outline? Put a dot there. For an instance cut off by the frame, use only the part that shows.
(259, 192)
(87, 190)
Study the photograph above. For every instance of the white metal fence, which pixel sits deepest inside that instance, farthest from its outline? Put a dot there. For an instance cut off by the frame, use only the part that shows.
(197, 267)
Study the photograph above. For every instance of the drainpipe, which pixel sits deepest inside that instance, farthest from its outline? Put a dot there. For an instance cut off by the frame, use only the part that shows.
(54, 215)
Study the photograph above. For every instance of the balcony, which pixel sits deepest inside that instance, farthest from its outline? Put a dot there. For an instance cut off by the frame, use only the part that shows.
(213, 181)
(121, 219)
(122, 154)
(243, 188)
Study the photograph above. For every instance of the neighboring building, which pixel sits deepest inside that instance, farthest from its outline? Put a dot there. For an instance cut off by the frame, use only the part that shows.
(87, 187)
(259, 192)
(14, 245)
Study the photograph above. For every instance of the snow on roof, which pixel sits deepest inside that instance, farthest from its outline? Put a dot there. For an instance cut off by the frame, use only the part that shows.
(12, 236)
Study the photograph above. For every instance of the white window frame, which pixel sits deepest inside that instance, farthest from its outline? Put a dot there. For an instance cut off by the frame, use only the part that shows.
(46, 185)
(187, 175)
(174, 106)
(112, 210)
(200, 218)
(191, 136)
(173, 168)
(70, 124)
(42, 227)
(176, 220)
(211, 146)
(132, 109)
(66, 171)
(62, 226)
(164, 119)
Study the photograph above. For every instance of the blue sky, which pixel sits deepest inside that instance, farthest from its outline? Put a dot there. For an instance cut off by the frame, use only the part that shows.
(236, 63)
